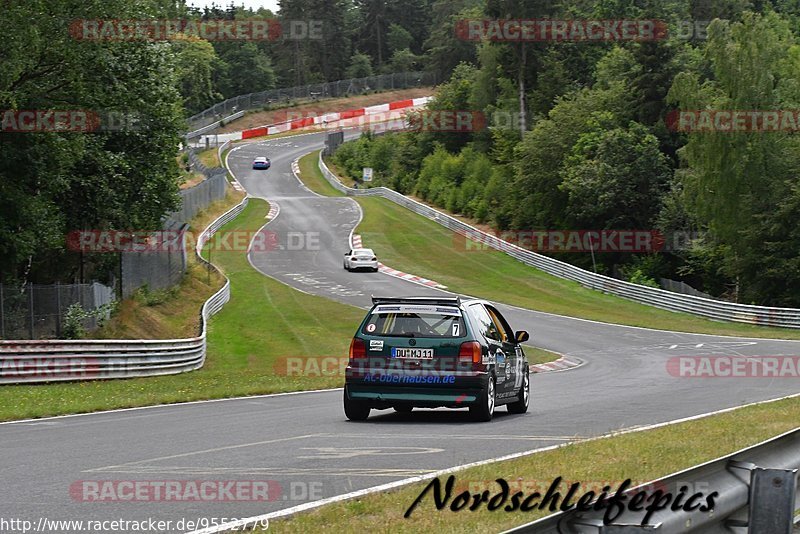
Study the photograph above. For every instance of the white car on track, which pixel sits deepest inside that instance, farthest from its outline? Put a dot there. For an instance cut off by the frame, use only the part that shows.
(360, 258)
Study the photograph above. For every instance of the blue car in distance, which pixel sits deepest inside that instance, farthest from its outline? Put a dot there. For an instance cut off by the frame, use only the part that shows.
(261, 163)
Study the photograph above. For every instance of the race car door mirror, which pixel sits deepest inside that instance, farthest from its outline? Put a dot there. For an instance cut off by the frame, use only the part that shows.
(347, 253)
(521, 336)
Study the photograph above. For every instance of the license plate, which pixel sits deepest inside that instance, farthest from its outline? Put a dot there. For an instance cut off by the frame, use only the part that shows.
(418, 354)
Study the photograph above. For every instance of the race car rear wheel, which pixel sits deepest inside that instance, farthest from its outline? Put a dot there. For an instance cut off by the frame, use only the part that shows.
(353, 409)
(483, 409)
(521, 405)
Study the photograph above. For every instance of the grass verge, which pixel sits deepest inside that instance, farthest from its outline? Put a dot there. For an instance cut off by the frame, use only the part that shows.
(415, 244)
(640, 456)
(209, 158)
(536, 355)
(264, 321)
(312, 176)
(171, 313)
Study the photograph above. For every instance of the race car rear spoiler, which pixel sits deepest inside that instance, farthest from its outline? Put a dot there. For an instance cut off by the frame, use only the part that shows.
(442, 301)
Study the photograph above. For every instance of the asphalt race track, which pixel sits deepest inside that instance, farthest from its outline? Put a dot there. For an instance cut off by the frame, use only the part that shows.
(303, 441)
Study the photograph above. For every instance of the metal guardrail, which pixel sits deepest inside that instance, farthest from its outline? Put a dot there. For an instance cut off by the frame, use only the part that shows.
(660, 298)
(757, 494)
(317, 91)
(60, 360)
(221, 150)
(214, 125)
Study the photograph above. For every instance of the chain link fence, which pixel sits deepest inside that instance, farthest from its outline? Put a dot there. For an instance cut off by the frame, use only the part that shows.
(164, 263)
(317, 91)
(36, 311)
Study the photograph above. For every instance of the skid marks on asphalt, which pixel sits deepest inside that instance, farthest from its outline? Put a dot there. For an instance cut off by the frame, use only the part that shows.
(322, 284)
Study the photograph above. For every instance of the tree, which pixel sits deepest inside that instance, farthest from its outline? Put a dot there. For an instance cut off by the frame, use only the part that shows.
(360, 66)
(403, 61)
(615, 177)
(444, 50)
(733, 181)
(195, 60)
(122, 176)
(453, 96)
(538, 202)
(398, 38)
(305, 55)
(242, 69)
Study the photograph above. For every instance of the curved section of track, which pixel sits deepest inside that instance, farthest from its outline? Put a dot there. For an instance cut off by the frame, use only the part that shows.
(303, 442)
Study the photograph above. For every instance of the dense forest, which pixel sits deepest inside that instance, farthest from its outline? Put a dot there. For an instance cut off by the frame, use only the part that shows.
(124, 174)
(590, 144)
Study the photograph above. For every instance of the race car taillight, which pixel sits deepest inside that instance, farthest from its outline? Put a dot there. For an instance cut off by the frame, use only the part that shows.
(357, 349)
(470, 351)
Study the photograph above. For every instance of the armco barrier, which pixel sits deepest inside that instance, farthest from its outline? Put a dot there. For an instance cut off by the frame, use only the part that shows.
(335, 89)
(220, 151)
(214, 125)
(333, 116)
(326, 119)
(757, 493)
(660, 298)
(60, 360)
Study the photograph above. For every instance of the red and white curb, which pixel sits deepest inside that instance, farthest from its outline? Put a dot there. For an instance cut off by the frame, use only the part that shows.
(356, 243)
(561, 364)
(328, 119)
(274, 210)
(236, 185)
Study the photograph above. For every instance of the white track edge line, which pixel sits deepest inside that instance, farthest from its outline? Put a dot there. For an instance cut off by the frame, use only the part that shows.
(398, 483)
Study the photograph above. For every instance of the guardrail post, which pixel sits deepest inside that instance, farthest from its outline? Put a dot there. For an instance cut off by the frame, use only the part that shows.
(771, 499)
(772, 495)
(58, 309)
(2, 315)
(30, 309)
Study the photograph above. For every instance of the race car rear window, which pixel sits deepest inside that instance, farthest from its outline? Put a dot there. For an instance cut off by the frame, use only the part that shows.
(414, 321)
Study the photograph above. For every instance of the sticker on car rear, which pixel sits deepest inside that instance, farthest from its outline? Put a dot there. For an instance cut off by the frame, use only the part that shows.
(416, 354)
(375, 344)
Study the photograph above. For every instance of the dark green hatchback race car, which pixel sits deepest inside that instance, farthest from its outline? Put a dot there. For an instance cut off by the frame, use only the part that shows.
(429, 352)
